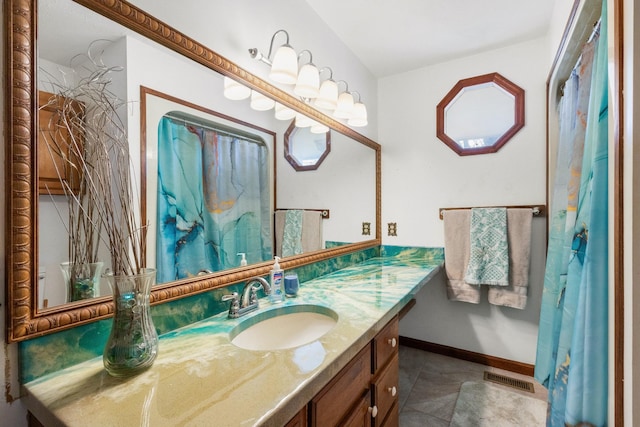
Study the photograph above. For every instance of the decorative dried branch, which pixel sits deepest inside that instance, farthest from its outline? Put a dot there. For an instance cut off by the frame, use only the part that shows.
(96, 175)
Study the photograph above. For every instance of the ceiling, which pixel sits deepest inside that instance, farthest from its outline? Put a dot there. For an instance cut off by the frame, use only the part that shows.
(391, 37)
(388, 37)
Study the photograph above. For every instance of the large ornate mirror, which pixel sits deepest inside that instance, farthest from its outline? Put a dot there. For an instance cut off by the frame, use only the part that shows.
(480, 114)
(26, 234)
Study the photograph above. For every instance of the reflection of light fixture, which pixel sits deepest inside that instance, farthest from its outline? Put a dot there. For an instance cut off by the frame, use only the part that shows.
(359, 116)
(308, 83)
(303, 121)
(234, 90)
(318, 128)
(344, 109)
(284, 67)
(283, 112)
(260, 102)
(328, 94)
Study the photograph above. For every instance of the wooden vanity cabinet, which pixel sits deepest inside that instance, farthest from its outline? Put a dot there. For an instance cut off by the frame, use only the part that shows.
(365, 392)
(344, 394)
(385, 375)
(300, 420)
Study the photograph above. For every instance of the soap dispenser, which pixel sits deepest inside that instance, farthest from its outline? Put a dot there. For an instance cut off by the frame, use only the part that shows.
(243, 260)
(276, 276)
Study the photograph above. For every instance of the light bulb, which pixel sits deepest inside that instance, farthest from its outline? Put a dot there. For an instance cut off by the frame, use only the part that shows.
(283, 112)
(318, 128)
(259, 102)
(234, 90)
(308, 83)
(328, 95)
(303, 121)
(344, 109)
(359, 117)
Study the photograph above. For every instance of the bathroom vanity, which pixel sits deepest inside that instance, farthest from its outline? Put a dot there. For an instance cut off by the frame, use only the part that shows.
(348, 376)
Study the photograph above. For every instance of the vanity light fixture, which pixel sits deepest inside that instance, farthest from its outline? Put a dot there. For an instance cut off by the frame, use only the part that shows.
(359, 113)
(324, 96)
(308, 83)
(344, 109)
(234, 90)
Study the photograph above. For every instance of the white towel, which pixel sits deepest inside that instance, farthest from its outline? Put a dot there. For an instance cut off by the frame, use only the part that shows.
(456, 256)
(311, 231)
(519, 236)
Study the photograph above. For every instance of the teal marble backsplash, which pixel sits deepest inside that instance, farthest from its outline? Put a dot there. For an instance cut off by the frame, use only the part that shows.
(50, 353)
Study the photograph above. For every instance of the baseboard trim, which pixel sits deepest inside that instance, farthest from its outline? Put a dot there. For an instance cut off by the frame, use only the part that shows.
(470, 356)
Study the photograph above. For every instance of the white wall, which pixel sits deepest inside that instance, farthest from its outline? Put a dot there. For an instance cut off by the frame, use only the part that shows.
(421, 174)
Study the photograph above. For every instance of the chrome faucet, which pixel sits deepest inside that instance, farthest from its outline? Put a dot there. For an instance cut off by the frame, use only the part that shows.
(249, 299)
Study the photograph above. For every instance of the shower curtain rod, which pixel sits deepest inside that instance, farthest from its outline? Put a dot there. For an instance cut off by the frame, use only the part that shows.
(536, 210)
(218, 128)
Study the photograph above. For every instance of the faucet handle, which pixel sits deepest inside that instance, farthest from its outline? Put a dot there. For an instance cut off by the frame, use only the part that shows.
(253, 299)
(234, 308)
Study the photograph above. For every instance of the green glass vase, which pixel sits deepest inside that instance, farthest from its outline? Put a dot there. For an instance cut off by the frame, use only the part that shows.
(132, 346)
(82, 280)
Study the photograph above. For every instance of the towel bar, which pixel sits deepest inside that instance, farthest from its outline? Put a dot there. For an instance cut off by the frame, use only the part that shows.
(536, 210)
(324, 213)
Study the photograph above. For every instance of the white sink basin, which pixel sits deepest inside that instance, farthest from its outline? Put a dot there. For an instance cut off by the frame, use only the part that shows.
(284, 327)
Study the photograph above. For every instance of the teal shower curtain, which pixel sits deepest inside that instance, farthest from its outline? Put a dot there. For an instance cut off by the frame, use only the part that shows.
(213, 200)
(572, 355)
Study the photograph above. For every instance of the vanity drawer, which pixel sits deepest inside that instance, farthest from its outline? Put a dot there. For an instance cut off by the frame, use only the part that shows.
(385, 344)
(334, 401)
(385, 390)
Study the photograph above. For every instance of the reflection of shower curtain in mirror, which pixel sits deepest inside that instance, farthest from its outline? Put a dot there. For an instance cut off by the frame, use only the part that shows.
(213, 201)
(572, 355)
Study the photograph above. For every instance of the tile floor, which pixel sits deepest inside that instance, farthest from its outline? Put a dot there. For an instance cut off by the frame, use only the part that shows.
(429, 386)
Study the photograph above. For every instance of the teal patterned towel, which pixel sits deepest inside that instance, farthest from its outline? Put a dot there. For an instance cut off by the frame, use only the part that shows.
(489, 251)
(292, 233)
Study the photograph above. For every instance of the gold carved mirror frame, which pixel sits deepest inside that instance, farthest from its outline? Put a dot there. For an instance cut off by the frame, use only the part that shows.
(24, 320)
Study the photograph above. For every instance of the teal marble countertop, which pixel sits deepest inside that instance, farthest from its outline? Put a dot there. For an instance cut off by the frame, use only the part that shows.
(201, 379)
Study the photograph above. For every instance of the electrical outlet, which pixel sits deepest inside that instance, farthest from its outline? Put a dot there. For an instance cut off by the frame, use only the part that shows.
(392, 229)
(366, 228)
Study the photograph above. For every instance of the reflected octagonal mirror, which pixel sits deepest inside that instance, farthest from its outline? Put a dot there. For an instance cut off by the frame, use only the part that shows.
(480, 114)
(305, 150)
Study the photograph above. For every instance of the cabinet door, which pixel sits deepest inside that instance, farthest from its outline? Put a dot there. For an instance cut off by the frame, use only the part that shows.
(338, 398)
(385, 390)
(59, 142)
(300, 420)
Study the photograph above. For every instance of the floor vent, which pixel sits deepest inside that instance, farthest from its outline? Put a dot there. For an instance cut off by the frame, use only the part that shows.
(508, 381)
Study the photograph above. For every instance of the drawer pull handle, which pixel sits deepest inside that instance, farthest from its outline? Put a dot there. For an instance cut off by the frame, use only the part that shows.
(393, 391)
(393, 342)
(373, 411)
